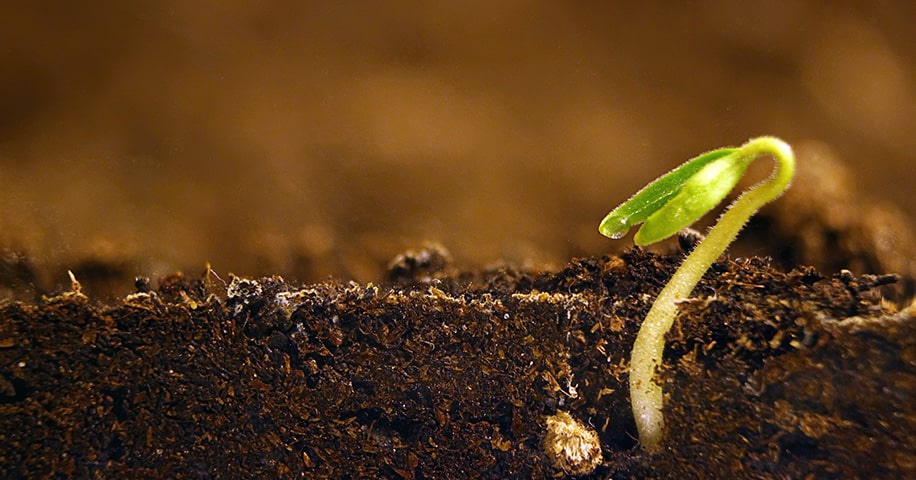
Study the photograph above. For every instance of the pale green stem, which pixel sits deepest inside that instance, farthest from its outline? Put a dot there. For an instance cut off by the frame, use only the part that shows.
(645, 393)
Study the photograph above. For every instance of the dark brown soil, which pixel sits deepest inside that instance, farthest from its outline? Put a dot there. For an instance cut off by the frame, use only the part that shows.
(441, 373)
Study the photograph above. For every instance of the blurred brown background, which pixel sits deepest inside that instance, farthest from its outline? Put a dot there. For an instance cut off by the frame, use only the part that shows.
(322, 138)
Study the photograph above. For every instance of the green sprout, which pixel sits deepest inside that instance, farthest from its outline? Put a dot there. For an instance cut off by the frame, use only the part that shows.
(664, 207)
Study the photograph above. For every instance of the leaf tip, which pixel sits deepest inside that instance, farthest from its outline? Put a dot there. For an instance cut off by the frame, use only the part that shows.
(614, 226)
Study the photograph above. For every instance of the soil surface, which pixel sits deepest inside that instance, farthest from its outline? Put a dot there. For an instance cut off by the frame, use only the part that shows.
(442, 373)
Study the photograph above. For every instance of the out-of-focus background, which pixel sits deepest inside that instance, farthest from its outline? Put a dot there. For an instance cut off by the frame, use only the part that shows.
(322, 138)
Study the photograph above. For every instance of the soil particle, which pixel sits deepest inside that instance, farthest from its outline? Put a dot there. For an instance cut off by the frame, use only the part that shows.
(448, 374)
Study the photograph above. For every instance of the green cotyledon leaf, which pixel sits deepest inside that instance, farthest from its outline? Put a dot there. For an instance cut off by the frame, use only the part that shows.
(700, 194)
(656, 195)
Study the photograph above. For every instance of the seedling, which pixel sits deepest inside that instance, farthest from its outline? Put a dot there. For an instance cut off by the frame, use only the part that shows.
(667, 205)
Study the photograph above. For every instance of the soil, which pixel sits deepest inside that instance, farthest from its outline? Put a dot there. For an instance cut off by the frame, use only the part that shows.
(444, 373)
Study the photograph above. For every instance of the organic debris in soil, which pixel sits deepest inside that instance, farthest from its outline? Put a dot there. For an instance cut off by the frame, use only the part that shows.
(447, 374)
